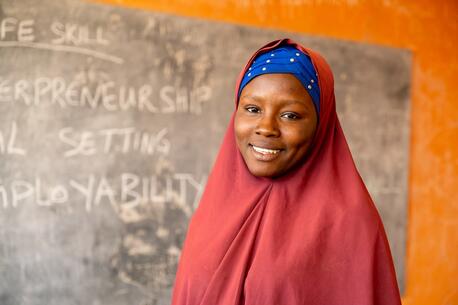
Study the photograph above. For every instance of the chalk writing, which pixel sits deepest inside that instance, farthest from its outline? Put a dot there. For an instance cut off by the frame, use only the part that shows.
(8, 142)
(65, 37)
(71, 33)
(19, 30)
(45, 91)
(99, 143)
(62, 48)
(128, 189)
(120, 140)
(184, 100)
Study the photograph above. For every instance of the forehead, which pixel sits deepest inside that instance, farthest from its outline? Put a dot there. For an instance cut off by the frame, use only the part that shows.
(282, 85)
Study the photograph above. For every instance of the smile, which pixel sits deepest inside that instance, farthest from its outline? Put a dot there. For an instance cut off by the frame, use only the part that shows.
(265, 150)
(264, 154)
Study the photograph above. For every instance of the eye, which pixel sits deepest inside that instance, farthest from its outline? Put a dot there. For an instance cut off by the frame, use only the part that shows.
(290, 116)
(252, 109)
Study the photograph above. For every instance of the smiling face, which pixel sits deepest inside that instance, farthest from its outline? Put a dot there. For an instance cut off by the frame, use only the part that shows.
(274, 124)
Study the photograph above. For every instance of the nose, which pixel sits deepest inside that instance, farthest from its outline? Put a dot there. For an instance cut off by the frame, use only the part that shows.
(267, 126)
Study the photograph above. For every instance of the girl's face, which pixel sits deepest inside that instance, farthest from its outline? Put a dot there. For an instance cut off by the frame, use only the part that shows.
(274, 124)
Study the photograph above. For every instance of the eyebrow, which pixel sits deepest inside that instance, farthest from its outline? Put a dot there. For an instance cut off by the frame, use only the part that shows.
(250, 97)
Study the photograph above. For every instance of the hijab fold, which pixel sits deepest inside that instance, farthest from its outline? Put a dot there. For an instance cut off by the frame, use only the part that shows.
(310, 237)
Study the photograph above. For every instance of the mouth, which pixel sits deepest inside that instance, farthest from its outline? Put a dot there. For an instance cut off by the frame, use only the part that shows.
(264, 154)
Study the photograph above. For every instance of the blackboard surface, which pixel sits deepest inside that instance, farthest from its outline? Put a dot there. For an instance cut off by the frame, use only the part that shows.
(110, 122)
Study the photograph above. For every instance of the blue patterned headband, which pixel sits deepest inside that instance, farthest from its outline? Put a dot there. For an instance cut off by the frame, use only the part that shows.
(286, 59)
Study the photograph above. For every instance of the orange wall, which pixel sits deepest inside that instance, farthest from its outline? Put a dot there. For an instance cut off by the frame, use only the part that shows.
(430, 30)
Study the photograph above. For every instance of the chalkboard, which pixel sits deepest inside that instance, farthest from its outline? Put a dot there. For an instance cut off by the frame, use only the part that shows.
(111, 119)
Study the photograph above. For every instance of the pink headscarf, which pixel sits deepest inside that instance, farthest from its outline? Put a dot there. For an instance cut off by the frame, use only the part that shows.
(312, 236)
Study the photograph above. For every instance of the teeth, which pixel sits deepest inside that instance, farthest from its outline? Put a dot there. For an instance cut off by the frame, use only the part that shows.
(265, 150)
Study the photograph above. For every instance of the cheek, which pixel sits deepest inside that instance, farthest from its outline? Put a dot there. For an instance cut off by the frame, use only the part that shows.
(241, 129)
(299, 139)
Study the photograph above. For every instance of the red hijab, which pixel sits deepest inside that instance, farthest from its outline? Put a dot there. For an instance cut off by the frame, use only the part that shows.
(310, 237)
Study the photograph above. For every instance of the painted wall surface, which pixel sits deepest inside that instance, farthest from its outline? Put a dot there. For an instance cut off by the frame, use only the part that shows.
(430, 30)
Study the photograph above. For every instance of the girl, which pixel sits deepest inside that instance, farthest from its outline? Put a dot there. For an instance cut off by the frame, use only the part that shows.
(285, 218)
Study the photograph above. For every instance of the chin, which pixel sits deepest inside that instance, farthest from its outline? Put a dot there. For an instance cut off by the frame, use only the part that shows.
(263, 172)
